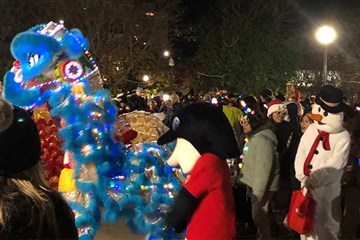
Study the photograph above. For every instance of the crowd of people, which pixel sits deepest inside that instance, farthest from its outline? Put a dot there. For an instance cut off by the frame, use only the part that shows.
(268, 128)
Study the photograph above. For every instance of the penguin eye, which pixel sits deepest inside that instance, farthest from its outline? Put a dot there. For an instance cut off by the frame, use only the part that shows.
(325, 114)
(319, 109)
(175, 124)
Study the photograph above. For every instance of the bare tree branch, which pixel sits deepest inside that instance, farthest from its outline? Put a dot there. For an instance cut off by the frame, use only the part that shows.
(210, 75)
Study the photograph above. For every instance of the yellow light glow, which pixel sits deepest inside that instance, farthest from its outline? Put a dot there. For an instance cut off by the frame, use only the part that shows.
(150, 14)
(166, 53)
(326, 34)
(146, 78)
(166, 97)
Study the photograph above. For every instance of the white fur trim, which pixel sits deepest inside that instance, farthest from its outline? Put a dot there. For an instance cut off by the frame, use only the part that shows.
(275, 108)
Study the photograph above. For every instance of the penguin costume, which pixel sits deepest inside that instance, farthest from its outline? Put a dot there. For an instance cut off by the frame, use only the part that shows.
(205, 204)
(321, 157)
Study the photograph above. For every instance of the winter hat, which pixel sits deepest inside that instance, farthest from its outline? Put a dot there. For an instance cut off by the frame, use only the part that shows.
(256, 120)
(19, 143)
(139, 90)
(275, 106)
(330, 99)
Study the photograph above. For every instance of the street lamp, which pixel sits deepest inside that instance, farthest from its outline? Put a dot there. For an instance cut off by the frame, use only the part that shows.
(325, 35)
(171, 65)
(166, 53)
(146, 78)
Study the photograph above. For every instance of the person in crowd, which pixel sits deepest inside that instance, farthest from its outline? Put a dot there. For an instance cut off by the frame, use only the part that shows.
(305, 122)
(124, 106)
(121, 104)
(350, 184)
(355, 100)
(137, 101)
(260, 169)
(172, 107)
(152, 106)
(265, 96)
(280, 96)
(29, 209)
(180, 95)
(293, 116)
(320, 161)
(312, 100)
(288, 135)
(206, 98)
(245, 224)
(175, 100)
(189, 98)
(305, 102)
(233, 114)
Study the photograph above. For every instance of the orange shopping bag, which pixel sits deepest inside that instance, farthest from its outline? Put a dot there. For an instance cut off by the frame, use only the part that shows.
(301, 212)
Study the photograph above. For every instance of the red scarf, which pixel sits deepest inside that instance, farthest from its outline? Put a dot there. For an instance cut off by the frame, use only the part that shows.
(324, 137)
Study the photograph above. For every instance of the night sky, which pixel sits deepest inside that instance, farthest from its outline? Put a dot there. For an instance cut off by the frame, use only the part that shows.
(307, 13)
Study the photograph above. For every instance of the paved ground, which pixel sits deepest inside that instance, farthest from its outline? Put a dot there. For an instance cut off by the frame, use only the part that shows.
(120, 231)
(117, 231)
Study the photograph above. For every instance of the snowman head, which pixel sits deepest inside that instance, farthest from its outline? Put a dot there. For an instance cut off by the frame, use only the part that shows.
(327, 112)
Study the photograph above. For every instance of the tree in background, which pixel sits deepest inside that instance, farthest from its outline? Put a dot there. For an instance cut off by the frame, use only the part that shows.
(127, 37)
(247, 47)
(343, 53)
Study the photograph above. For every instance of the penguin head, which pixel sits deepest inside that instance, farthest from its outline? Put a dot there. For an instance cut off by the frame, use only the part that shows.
(199, 128)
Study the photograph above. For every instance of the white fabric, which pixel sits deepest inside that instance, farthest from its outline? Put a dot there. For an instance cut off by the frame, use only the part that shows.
(275, 108)
(66, 158)
(324, 179)
(185, 155)
(332, 123)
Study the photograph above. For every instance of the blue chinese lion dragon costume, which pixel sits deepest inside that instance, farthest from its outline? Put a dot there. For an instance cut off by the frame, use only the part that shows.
(53, 67)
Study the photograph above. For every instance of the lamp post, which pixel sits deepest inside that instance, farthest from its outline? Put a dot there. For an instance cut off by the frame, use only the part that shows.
(171, 65)
(325, 35)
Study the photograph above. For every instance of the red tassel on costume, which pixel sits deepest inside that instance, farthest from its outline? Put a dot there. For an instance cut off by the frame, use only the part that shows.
(128, 136)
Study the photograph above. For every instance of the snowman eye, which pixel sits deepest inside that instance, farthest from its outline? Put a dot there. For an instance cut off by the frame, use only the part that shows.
(325, 114)
(319, 110)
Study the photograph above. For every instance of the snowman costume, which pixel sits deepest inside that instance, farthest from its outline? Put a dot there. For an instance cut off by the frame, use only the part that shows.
(321, 157)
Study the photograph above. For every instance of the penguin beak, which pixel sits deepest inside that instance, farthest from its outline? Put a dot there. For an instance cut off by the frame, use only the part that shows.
(315, 117)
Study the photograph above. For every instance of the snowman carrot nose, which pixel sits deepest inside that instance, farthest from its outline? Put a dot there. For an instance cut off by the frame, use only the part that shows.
(315, 117)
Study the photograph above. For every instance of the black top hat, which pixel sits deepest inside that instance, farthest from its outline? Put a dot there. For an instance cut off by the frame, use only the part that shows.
(330, 99)
(206, 127)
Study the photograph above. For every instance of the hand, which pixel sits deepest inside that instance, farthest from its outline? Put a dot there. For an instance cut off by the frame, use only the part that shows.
(307, 192)
(308, 184)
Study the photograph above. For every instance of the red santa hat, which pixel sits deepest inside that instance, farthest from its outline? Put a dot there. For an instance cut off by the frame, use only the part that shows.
(275, 106)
